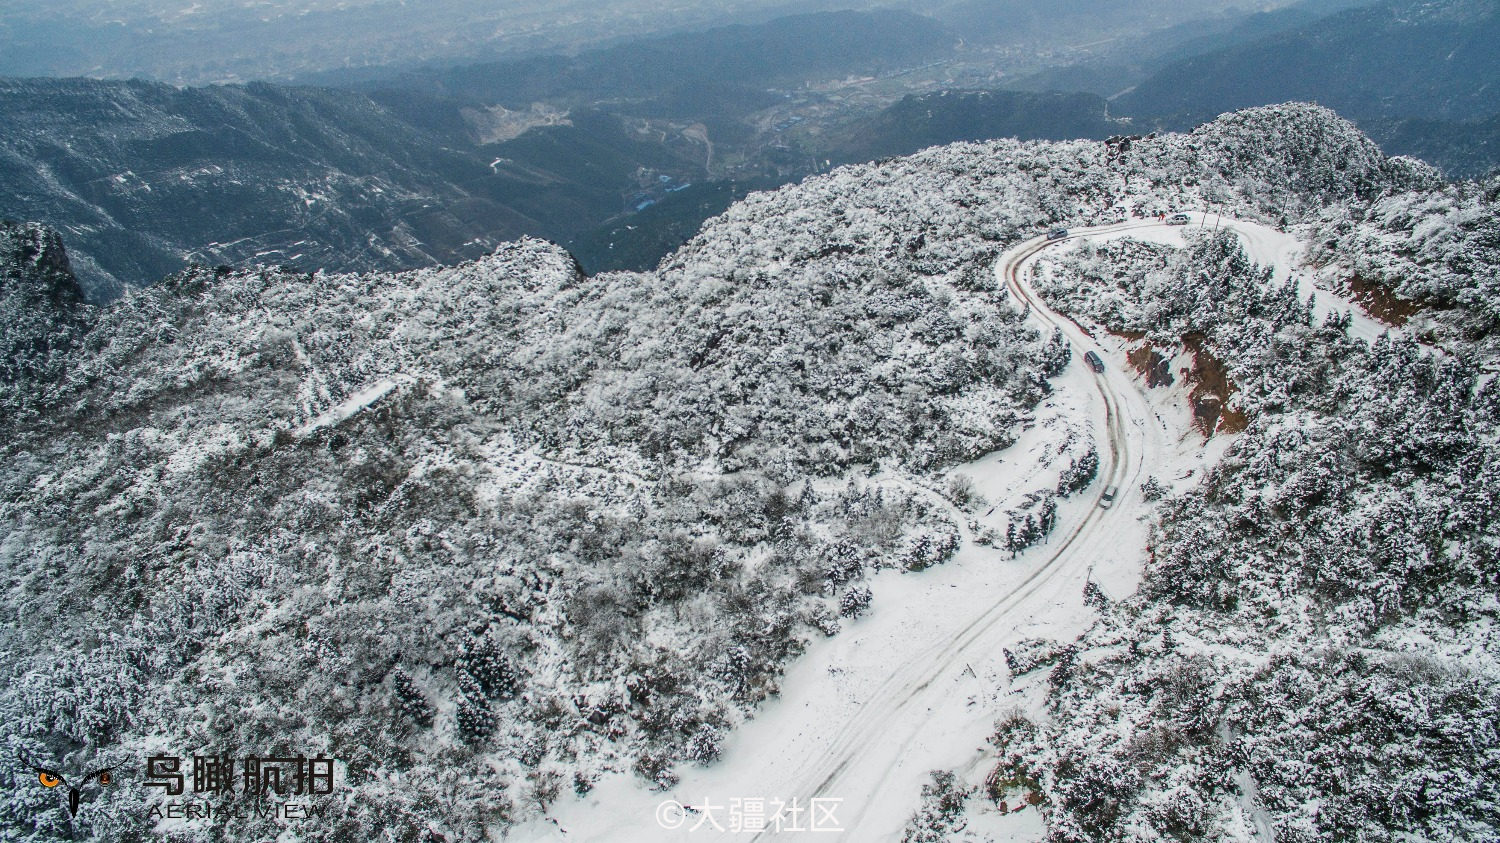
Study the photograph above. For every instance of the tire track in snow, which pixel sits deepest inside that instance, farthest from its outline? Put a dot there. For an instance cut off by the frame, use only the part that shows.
(871, 742)
(905, 686)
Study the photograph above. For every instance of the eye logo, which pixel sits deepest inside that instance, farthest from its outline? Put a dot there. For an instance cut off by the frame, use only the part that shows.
(52, 780)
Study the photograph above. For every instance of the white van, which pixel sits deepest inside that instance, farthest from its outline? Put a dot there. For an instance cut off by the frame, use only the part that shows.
(1108, 499)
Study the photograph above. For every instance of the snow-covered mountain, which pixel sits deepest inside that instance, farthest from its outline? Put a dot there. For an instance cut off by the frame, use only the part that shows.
(491, 534)
(1309, 653)
(144, 178)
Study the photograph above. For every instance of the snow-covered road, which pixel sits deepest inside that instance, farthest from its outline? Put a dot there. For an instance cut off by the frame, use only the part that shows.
(864, 717)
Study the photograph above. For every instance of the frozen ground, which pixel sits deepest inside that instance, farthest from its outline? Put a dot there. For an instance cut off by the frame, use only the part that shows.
(915, 685)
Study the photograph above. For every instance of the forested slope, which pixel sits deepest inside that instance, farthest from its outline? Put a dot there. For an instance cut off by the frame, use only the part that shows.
(485, 532)
(1311, 652)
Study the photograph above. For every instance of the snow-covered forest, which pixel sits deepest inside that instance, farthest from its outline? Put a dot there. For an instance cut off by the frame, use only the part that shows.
(1312, 649)
(1436, 248)
(486, 533)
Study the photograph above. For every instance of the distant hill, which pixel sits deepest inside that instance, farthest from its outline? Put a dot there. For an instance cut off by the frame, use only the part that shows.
(1462, 150)
(1404, 60)
(1069, 21)
(949, 116)
(284, 40)
(1118, 64)
(142, 178)
(785, 49)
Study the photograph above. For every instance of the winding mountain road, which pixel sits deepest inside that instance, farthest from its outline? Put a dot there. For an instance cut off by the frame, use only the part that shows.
(863, 766)
(891, 723)
(865, 716)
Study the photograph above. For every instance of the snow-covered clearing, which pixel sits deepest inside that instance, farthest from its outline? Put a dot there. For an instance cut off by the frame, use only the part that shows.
(1264, 245)
(1269, 247)
(347, 408)
(914, 686)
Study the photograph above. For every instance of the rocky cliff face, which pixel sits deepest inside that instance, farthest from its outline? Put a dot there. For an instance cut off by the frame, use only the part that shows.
(40, 302)
(35, 252)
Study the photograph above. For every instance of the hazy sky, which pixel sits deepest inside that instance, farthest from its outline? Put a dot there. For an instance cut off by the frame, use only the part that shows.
(234, 40)
(220, 40)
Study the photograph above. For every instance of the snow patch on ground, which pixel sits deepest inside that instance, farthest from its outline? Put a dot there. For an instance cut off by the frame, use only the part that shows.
(347, 408)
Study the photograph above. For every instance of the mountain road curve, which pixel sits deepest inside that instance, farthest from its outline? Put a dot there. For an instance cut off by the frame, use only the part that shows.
(863, 718)
(893, 718)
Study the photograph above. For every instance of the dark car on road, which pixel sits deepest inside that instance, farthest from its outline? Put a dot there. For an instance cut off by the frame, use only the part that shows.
(1094, 362)
(1057, 234)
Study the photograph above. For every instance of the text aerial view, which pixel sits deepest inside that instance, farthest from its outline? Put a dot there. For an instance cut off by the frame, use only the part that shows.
(885, 421)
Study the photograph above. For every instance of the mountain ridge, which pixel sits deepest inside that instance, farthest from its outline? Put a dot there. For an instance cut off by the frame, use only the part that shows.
(508, 518)
(1391, 60)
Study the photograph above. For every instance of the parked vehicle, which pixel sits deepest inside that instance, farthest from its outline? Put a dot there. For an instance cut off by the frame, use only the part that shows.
(1094, 362)
(1178, 219)
(1057, 234)
(1108, 499)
